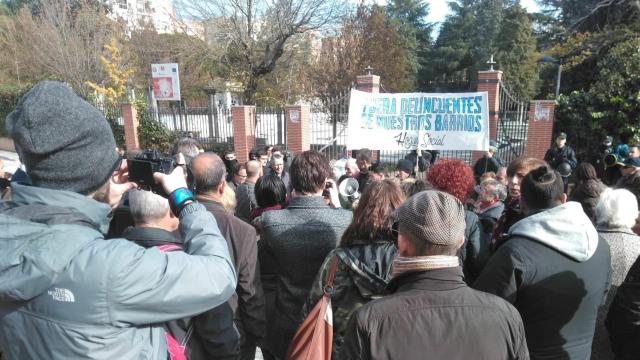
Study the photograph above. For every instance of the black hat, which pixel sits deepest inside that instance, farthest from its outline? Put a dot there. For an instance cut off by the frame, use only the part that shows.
(562, 135)
(405, 165)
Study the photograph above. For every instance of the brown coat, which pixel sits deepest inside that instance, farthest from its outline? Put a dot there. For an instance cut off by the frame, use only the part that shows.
(434, 314)
(248, 301)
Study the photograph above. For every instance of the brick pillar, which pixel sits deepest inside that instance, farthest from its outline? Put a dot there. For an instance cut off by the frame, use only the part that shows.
(130, 119)
(368, 83)
(244, 134)
(540, 130)
(298, 119)
(489, 81)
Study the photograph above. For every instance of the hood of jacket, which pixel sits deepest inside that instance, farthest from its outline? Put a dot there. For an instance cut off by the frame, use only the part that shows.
(565, 228)
(370, 265)
(41, 231)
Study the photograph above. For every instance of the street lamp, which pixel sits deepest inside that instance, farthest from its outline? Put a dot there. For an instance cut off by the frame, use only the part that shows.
(551, 59)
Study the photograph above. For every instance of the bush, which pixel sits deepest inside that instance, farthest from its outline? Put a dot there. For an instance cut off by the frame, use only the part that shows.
(151, 133)
(9, 97)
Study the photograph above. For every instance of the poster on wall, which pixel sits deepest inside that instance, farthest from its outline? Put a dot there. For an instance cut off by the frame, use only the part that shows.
(166, 82)
(448, 121)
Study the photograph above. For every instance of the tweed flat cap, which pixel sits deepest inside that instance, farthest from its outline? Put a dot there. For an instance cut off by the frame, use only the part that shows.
(433, 216)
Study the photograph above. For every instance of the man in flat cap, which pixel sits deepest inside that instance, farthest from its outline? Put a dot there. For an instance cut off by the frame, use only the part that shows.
(431, 312)
(65, 291)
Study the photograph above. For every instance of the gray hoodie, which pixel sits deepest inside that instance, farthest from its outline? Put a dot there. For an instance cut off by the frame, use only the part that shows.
(565, 228)
(66, 293)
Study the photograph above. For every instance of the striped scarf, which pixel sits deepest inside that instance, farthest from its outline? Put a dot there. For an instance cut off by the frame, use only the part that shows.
(403, 265)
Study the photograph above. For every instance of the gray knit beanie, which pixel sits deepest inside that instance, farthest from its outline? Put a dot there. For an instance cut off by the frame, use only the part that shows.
(64, 142)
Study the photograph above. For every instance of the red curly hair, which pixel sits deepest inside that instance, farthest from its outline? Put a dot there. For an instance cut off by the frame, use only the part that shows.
(452, 176)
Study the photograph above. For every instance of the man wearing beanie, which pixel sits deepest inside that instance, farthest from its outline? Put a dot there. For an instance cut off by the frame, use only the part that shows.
(431, 312)
(65, 292)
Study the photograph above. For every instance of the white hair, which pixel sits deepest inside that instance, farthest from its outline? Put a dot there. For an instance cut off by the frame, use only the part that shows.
(351, 162)
(617, 208)
(499, 190)
(146, 206)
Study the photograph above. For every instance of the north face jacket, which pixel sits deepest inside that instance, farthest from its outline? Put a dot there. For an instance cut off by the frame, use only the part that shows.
(66, 293)
(555, 271)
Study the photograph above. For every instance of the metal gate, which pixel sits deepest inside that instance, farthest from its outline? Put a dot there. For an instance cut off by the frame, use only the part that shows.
(271, 127)
(329, 116)
(512, 125)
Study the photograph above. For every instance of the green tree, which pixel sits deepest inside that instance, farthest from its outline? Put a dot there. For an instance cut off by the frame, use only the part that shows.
(611, 104)
(410, 18)
(516, 52)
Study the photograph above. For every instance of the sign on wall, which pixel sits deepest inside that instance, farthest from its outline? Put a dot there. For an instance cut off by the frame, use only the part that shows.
(409, 121)
(166, 82)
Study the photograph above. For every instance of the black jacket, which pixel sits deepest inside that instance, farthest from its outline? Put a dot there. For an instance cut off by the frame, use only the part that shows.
(424, 161)
(214, 335)
(556, 156)
(248, 302)
(363, 273)
(470, 252)
(556, 272)
(623, 320)
(435, 315)
(486, 164)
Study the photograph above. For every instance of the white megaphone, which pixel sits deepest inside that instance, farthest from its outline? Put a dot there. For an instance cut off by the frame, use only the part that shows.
(348, 192)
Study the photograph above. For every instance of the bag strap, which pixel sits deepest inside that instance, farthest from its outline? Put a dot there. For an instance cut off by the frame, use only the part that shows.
(328, 288)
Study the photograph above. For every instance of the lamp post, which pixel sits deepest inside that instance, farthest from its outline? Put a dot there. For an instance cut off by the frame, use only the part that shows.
(551, 59)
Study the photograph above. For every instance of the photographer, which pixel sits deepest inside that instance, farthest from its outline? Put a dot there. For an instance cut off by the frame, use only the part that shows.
(66, 293)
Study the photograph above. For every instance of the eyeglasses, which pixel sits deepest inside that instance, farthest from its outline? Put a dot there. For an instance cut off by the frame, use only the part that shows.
(241, 176)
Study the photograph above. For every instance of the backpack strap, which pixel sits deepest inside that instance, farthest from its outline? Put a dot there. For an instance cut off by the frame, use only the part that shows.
(169, 247)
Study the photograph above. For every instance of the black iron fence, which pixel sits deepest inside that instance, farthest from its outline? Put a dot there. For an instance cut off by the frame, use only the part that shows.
(211, 126)
(271, 127)
(512, 125)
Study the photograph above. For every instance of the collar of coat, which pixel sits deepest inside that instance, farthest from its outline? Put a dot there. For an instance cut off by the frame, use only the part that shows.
(430, 280)
(307, 201)
(149, 236)
(98, 213)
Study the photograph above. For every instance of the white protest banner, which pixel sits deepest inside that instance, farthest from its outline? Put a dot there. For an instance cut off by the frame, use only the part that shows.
(166, 82)
(455, 121)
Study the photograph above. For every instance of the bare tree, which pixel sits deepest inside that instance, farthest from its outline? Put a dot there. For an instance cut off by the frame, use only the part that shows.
(59, 41)
(253, 33)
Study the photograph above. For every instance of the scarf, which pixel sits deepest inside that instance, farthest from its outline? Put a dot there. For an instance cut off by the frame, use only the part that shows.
(403, 265)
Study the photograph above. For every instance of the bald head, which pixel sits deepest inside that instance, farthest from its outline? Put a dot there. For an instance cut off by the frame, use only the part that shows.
(253, 170)
(208, 172)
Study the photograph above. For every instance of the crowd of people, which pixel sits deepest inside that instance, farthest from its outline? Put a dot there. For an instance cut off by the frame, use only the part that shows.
(218, 258)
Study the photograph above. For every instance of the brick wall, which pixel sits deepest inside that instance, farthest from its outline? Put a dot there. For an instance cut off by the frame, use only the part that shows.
(489, 81)
(130, 118)
(298, 119)
(244, 135)
(540, 131)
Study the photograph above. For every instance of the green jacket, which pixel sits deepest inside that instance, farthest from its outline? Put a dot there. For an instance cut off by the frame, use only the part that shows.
(66, 293)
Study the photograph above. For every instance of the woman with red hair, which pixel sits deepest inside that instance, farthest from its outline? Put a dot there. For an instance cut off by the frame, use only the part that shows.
(455, 177)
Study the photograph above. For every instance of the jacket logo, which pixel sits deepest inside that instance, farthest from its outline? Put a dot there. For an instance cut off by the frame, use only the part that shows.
(64, 295)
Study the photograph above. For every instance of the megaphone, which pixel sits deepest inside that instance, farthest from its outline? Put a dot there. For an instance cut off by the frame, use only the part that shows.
(348, 192)
(611, 160)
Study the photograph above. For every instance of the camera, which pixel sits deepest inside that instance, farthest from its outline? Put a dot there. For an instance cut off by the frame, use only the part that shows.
(142, 167)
